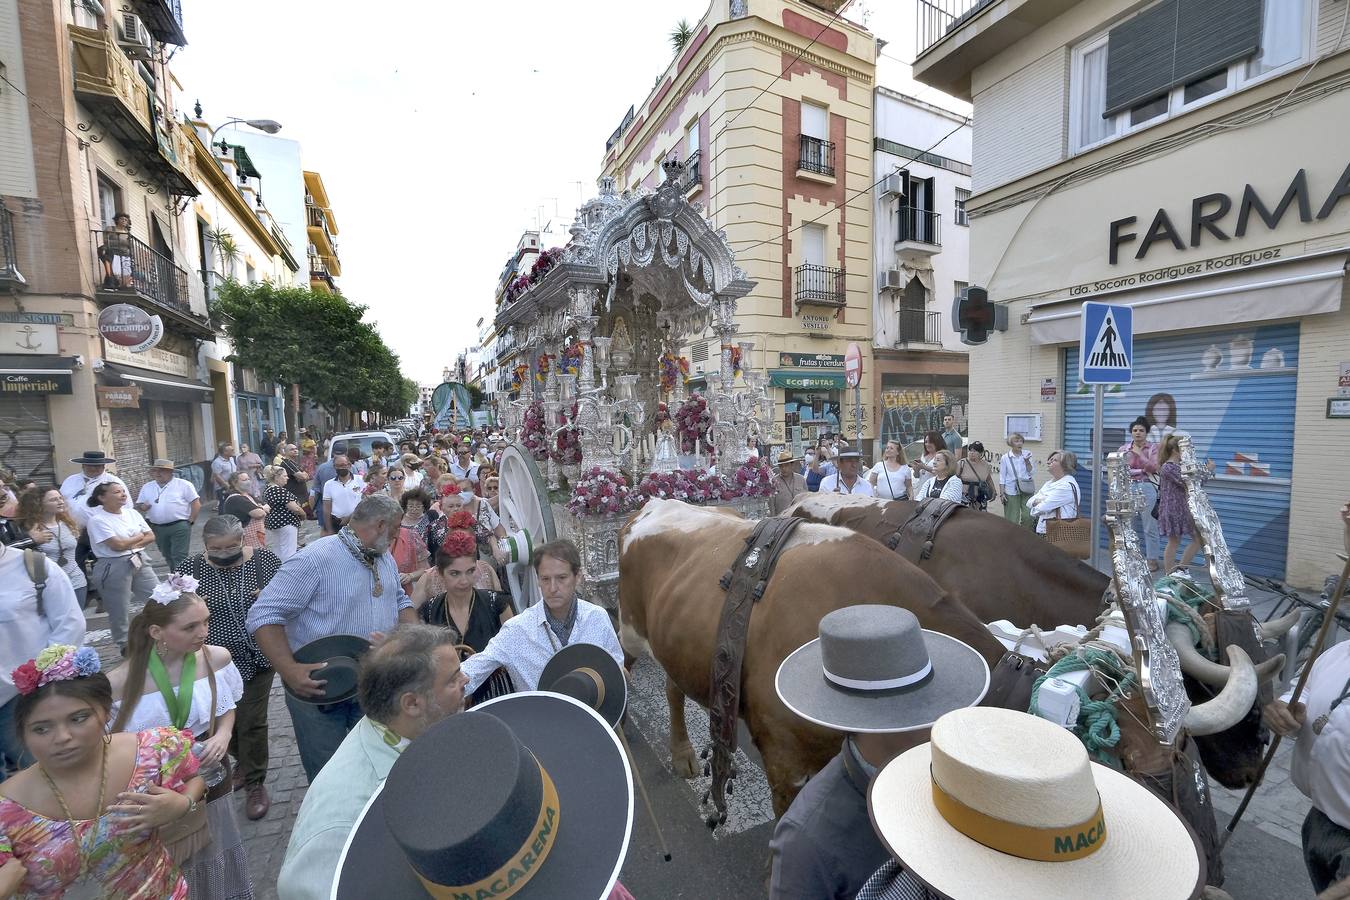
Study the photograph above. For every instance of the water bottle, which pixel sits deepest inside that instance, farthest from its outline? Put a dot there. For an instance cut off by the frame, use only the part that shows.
(212, 774)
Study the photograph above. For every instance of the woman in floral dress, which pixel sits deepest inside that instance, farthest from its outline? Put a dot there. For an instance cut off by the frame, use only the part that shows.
(83, 820)
(1174, 517)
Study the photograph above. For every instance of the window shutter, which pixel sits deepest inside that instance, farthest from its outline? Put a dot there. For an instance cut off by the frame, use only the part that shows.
(1139, 58)
(1175, 42)
(1213, 33)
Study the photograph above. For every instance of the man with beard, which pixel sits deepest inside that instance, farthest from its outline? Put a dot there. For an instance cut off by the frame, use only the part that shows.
(342, 585)
(407, 684)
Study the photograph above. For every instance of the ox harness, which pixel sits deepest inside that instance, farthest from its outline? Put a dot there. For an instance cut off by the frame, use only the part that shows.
(744, 584)
(913, 538)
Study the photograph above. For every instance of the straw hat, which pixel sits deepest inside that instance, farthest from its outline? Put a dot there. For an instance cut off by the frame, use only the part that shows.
(162, 464)
(786, 458)
(551, 822)
(1005, 804)
(874, 670)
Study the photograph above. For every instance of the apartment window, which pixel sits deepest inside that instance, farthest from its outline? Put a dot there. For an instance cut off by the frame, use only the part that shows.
(959, 288)
(251, 274)
(1179, 54)
(961, 217)
(109, 200)
(813, 245)
(691, 141)
(817, 153)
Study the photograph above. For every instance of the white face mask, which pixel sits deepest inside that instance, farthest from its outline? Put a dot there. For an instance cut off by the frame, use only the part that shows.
(466, 497)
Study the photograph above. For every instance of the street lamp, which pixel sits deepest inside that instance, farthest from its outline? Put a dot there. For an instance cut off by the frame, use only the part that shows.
(270, 126)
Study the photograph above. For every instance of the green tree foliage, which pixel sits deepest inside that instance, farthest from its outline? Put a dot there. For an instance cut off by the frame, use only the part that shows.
(317, 340)
(680, 36)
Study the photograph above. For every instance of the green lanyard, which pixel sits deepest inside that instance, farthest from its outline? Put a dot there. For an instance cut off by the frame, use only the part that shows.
(179, 704)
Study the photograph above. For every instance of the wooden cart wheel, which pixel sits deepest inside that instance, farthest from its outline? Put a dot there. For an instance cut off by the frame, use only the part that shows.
(524, 506)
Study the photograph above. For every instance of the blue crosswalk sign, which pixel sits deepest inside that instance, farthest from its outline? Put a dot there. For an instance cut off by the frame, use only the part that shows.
(1106, 344)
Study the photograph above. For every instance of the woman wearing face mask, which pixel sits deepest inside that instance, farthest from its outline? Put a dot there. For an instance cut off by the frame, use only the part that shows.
(84, 820)
(250, 513)
(485, 576)
(230, 575)
(173, 678)
(409, 549)
(43, 514)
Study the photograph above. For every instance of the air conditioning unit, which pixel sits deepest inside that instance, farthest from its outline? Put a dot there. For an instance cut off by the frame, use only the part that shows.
(892, 185)
(134, 39)
(891, 280)
(313, 250)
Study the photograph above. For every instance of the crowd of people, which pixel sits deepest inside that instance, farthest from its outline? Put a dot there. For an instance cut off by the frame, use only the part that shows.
(392, 623)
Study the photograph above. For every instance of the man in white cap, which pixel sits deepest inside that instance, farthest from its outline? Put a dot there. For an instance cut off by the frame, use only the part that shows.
(171, 505)
(875, 675)
(847, 480)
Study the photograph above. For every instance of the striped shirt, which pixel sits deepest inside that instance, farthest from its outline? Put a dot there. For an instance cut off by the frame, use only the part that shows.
(323, 590)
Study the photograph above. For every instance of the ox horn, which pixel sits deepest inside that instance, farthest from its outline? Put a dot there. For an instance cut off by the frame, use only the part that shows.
(1233, 702)
(1273, 631)
(1192, 662)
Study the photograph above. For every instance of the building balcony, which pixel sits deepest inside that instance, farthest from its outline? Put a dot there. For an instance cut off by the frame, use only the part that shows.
(816, 156)
(692, 178)
(918, 232)
(212, 280)
(323, 237)
(819, 285)
(163, 19)
(117, 97)
(10, 277)
(956, 36)
(320, 278)
(918, 326)
(126, 268)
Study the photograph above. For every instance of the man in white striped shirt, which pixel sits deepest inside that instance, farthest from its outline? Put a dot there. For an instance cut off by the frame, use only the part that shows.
(347, 583)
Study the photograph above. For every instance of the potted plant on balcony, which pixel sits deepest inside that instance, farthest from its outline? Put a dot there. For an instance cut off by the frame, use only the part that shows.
(225, 247)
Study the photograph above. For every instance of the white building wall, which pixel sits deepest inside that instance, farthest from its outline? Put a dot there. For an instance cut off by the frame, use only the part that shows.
(17, 176)
(916, 124)
(1022, 121)
(283, 182)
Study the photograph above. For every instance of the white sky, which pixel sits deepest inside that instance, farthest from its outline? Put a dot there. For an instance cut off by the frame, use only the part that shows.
(440, 135)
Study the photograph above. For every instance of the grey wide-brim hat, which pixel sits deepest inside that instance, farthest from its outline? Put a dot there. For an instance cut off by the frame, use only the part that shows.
(874, 670)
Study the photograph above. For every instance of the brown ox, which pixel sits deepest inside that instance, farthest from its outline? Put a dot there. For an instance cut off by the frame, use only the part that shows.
(996, 569)
(671, 558)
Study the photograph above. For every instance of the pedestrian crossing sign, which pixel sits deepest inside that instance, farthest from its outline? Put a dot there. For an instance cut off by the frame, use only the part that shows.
(1106, 344)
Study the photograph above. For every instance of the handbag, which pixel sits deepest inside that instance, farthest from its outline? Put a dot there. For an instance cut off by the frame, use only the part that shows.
(1073, 536)
(186, 836)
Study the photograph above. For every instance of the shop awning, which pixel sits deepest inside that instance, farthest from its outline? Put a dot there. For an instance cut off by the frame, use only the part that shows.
(806, 381)
(1305, 286)
(16, 363)
(161, 385)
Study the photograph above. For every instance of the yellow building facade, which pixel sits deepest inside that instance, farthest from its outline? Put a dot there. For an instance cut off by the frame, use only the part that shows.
(769, 106)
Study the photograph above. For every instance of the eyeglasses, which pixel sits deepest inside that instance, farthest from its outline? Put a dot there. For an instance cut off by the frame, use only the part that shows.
(396, 478)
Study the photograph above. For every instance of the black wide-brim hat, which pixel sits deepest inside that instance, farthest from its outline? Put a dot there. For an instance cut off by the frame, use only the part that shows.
(587, 672)
(93, 458)
(342, 654)
(453, 798)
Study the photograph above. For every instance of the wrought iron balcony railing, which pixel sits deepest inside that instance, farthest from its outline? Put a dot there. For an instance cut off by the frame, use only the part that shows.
(128, 265)
(919, 326)
(816, 156)
(939, 18)
(821, 285)
(920, 226)
(319, 274)
(692, 176)
(10, 276)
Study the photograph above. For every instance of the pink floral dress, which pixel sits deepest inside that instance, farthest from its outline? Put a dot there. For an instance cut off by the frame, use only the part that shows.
(129, 865)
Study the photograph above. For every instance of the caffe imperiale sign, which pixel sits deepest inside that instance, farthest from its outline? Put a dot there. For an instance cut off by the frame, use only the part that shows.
(1222, 217)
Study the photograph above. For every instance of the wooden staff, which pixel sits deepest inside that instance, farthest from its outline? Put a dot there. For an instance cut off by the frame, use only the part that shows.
(1327, 623)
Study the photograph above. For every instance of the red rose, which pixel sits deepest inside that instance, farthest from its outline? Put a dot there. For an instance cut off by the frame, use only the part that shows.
(26, 677)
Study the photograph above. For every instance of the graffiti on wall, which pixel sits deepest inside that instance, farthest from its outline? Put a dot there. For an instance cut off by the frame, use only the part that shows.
(908, 413)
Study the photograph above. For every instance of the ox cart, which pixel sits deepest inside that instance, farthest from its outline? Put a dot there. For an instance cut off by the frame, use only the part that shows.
(596, 410)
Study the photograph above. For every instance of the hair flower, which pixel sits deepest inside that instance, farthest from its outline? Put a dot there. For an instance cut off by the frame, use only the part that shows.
(26, 678)
(87, 661)
(51, 654)
(171, 588)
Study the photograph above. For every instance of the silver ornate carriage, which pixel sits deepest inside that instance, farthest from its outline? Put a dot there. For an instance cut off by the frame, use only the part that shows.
(643, 273)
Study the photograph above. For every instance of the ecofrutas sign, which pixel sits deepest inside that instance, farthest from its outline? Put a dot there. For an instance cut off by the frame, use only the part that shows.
(1210, 215)
(130, 326)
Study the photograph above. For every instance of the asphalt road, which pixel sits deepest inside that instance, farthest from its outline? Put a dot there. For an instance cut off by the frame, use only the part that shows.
(733, 862)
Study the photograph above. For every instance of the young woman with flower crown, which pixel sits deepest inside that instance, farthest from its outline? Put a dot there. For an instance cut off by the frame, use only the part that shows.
(82, 822)
(172, 677)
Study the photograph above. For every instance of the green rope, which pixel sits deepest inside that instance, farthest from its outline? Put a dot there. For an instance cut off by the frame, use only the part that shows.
(1096, 727)
(1184, 591)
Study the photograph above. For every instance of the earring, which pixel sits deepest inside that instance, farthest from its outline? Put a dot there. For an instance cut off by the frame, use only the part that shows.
(107, 739)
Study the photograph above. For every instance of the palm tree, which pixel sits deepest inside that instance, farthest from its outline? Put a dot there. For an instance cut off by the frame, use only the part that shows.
(681, 34)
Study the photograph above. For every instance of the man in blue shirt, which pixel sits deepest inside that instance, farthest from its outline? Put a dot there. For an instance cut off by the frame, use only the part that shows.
(343, 584)
(322, 475)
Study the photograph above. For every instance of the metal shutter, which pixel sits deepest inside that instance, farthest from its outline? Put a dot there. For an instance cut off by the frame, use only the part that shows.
(26, 438)
(131, 446)
(1174, 42)
(1242, 418)
(178, 432)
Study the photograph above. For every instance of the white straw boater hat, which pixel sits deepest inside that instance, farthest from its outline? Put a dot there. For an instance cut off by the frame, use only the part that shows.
(873, 669)
(1005, 804)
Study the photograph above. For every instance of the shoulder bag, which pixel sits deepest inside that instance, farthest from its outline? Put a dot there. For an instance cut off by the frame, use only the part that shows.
(1073, 536)
(186, 836)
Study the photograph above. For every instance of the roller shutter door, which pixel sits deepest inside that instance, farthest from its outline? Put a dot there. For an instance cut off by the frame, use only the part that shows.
(26, 438)
(1233, 391)
(178, 432)
(131, 446)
